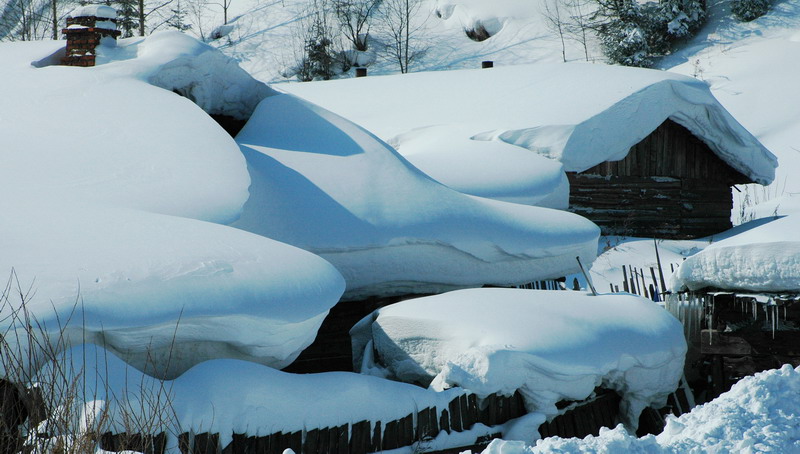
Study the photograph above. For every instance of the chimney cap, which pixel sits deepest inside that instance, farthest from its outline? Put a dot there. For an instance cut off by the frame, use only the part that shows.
(98, 11)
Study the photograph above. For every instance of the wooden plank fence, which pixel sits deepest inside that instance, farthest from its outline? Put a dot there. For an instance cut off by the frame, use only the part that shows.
(548, 284)
(362, 437)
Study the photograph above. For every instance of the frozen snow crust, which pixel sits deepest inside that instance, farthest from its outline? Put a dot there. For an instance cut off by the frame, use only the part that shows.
(227, 396)
(328, 186)
(579, 114)
(108, 185)
(764, 259)
(759, 414)
(549, 345)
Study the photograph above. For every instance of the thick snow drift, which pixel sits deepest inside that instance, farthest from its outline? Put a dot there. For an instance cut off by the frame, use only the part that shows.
(763, 259)
(106, 182)
(163, 292)
(549, 345)
(759, 414)
(326, 185)
(578, 114)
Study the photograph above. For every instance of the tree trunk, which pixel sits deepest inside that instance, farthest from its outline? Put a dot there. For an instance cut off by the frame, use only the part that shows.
(54, 5)
(141, 17)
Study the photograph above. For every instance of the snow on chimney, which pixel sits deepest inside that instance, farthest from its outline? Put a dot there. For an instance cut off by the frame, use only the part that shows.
(88, 27)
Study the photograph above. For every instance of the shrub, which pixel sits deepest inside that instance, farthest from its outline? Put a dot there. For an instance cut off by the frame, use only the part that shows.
(747, 10)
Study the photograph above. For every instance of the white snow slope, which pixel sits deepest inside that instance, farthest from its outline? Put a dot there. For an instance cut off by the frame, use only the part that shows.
(328, 186)
(549, 345)
(759, 414)
(108, 183)
(578, 114)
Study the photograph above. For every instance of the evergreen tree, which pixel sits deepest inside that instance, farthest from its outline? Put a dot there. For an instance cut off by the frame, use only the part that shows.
(747, 10)
(177, 17)
(127, 17)
(683, 17)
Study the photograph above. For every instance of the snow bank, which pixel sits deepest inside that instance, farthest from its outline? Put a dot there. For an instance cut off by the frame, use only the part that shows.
(764, 259)
(549, 345)
(324, 184)
(555, 110)
(759, 414)
(230, 396)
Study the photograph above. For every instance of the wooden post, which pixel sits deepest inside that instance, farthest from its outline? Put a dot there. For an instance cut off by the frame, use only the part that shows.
(660, 271)
(625, 280)
(361, 72)
(586, 275)
(487, 64)
(657, 296)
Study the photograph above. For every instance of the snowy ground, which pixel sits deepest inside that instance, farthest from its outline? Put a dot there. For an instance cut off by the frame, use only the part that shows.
(759, 414)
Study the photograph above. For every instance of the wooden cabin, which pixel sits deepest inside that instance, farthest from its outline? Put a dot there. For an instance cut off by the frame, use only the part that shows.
(670, 185)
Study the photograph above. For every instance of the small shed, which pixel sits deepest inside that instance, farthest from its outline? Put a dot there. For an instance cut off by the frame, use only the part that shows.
(670, 185)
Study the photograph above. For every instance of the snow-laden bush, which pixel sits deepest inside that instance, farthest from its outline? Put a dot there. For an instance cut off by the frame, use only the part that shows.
(633, 33)
(625, 44)
(747, 10)
(683, 17)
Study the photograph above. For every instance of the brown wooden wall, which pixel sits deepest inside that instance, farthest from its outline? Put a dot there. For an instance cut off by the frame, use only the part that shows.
(671, 151)
(671, 185)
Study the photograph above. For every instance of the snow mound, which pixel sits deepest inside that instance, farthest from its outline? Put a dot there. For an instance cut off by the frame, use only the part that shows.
(763, 259)
(759, 414)
(491, 169)
(209, 78)
(556, 110)
(549, 345)
(326, 185)
(164, 293)
(108, 136)
(230, 396)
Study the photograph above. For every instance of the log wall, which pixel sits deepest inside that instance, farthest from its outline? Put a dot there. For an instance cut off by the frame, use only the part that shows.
(670, 185)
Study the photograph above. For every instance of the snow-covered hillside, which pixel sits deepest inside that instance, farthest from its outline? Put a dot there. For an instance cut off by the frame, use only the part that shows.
(268, 37)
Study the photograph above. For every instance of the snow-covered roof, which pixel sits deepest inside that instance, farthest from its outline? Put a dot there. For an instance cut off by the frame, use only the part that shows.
(579, 114)
(100, 11)
(110, 212)
(549, 345)
(765, 258)
(326, 185)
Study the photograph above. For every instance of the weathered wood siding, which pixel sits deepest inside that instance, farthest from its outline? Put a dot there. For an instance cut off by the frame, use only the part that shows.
(670, 185)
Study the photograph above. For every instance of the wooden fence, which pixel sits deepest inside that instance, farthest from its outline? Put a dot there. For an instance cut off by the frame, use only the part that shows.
(362, 437)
